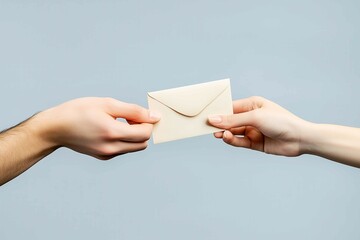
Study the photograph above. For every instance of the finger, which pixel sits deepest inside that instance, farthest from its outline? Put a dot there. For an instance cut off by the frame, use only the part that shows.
(235, 120)
(238, 130)
(131, 122)
(119, 148)
(235, 131)
(230, 139)
(131, 133)
(131, 112)
(127, 147)
(248, 104)
(218, 134)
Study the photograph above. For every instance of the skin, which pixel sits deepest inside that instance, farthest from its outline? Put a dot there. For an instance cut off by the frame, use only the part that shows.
(90, 126)
(85, 125)
(262, 125)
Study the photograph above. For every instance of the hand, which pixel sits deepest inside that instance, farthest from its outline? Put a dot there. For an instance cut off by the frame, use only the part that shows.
(262, 125)
(86, 125)
(90, 126)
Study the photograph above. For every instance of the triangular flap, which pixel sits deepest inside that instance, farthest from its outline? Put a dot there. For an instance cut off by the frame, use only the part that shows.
(191, 100)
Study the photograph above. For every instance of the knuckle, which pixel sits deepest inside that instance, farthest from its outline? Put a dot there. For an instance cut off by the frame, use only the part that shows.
(145, 132)
(107, 134)
(148, 132)
(136, 108)
(106, 150)
(256, 116)
(138, 147)
(257, 98)
(228, 121)
(108, 100)
(258, 101)
(111, 103)
(147, 137)
(139, 111)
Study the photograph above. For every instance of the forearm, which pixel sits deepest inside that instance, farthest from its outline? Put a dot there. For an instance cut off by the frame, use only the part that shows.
(338, 143)
(21, 147)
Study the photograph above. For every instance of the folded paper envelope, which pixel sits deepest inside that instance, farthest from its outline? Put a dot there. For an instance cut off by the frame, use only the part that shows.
(185, 110)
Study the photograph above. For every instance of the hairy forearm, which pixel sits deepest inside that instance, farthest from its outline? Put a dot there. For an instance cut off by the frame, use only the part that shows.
(22, 146)
(338, 143)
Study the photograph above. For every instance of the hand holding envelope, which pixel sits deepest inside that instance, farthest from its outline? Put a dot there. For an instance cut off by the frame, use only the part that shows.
(185, 110)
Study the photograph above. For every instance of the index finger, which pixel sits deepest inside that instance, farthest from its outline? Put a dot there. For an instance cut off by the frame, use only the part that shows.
(131, 133)
(131, 112)
(248, 104)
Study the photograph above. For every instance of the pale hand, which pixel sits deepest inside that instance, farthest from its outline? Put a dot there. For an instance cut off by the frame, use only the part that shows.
(90, 126)
(86, 125)
(262, 125)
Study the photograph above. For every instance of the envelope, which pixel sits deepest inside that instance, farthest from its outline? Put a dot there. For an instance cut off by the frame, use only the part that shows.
(185, 110)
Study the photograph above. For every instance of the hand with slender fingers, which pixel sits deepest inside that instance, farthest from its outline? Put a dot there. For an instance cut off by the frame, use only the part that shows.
(90, 126)
(85, 125)
(262, 125)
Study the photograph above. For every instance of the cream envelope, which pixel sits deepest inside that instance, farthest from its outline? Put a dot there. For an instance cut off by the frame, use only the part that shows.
(185, 110)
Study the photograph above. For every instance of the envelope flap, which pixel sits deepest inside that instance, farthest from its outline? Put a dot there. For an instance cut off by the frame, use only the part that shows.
(191, 100)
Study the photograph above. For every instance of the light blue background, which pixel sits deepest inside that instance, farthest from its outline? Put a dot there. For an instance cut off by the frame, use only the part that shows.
(304, 55)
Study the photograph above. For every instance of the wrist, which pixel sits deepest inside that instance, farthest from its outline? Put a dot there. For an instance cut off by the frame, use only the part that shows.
(44, 129)
(309, 134)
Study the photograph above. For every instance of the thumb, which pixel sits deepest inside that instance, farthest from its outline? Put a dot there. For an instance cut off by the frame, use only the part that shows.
(235, 120)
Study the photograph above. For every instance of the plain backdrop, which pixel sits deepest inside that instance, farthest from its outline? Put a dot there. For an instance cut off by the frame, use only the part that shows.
(304, 55)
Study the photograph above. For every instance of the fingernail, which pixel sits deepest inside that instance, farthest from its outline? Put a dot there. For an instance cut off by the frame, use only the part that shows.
(215, 119)
(226, 134)
(154, 115)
